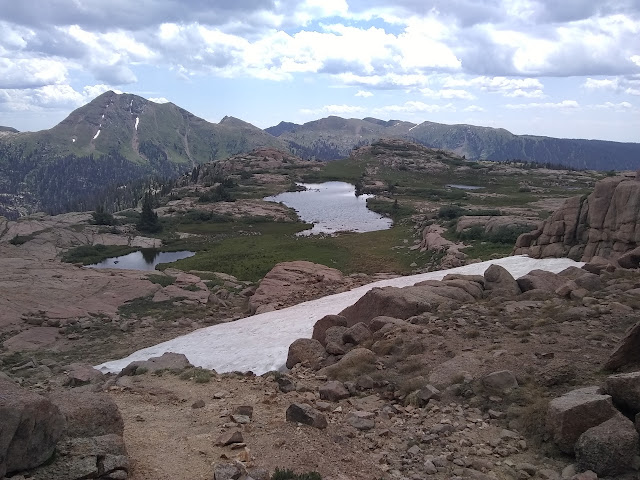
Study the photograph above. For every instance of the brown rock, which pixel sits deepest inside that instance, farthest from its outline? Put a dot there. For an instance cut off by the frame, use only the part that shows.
(609, 448)
(498, 281)
(627, 352)
(378, 322)
(333, 391)
(229, 438)
(30, 427)
(81, 374)
(540, 280)
(624, 389)
(167, 361)
(631, 259)
(357, 334)
(321, 326)
(306, 414)
(88, 414)
(306, 351)
(572, 414)
(291, 281)
(355, 363)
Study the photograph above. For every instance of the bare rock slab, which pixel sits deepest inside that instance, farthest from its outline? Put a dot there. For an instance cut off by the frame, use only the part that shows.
(88, 414)
(627, 352)
(609, 448)
(572, 414)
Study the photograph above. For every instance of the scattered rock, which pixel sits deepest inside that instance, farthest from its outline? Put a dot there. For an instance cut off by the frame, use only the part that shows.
(357, 334)
(321, 326)
(306, 414)
(500, 381)
(333, 391)
(229, 438)
(167, 361)
(361, 420)
(229, 471)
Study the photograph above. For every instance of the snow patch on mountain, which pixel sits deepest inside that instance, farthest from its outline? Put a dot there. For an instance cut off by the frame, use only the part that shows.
(137, 122)
(96, 135)
(260, 343)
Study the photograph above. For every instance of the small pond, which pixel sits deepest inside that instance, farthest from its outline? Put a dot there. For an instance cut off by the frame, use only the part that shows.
(333, 207)
(145, 259)
(464, 187)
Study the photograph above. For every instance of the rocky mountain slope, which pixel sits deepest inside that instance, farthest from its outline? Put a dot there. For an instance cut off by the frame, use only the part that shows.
(111, 141)
(334, 137)
(605, 223)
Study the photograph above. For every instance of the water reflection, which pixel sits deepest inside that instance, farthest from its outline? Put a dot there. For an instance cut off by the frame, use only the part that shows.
(145, 259)
(333, 207)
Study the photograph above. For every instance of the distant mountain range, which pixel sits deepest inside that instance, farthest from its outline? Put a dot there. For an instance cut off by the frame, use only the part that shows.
(334, 137)
(117, 139)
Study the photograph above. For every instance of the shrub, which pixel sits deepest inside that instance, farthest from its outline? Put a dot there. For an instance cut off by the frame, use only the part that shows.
(164, 280)
(451, 212)
(287, 474)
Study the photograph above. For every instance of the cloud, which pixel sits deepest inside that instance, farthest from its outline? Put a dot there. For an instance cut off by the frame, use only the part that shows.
(508, 87)
(30, 73)
(334, 110)
(564, 105)
(629, 85)
(364, 93)
(414, 107)
(447, 93)
(473, 108)
(49, 97)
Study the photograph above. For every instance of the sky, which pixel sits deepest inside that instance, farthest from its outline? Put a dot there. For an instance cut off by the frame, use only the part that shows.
(561, 68)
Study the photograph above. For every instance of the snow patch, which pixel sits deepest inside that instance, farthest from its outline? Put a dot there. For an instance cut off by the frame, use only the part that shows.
(413, 127)
(103, 115)
(73, 140)
(96, 135)
(137, 121)
(260, 343)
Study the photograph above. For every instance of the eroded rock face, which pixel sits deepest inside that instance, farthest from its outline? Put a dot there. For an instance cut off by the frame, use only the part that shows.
(606, 223)
(291, 281)
(88, 414)
(30, 426)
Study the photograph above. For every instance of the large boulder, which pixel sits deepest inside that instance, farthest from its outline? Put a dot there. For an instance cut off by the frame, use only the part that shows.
(307, 351)
(572, 414)
(405, 302)
(540, 280)
(166, 361)
(88, 414)
(101, 457)
(499, 282)
(631, 259)
(30, 426)
(609, 448)
(356, 334)
(357, 362)
(624, 389)
(627, 352)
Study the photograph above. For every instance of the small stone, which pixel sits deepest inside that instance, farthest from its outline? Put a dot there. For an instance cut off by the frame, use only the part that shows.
(306, 414)
(333, 391)
(197, 404)
(241, 419)
(430, 468)
(229, 438)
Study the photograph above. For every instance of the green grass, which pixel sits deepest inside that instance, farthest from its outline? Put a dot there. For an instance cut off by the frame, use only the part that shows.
(164, 280)
(485, 250)
(250, 253)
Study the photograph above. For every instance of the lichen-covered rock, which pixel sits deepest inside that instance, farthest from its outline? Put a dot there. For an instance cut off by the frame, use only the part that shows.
(609, 448)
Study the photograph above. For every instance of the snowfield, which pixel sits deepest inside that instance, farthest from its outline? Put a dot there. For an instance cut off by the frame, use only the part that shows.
(260, 343)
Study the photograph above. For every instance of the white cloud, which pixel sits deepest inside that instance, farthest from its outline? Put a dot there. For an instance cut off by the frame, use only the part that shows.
(31, 72)
(364, 93)
(49, 97)
(473, 108)
(334, 110)
(508, 87)
(564, 105)
(629, 85)
(414, 107)
(447, 93)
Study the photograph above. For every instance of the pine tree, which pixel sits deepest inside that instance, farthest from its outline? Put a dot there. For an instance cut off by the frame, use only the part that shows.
(149, 222)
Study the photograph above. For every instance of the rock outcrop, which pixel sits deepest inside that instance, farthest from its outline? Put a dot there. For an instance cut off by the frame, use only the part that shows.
(288, 282)
(605, 223)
